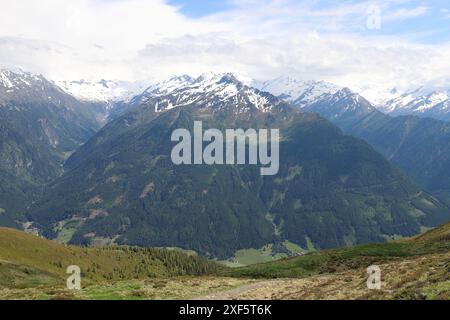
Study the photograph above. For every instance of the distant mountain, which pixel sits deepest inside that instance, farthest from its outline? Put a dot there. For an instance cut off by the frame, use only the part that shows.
(121, 107)
(422, 102)
(420, 146)
(107, 97)
(344, 107)
(101, 91)
(331, 190)
(297, 91)
(40, 125)
(170, 85)
(330, 101)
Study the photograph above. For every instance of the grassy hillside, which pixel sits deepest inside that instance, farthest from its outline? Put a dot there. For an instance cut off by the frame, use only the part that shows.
(435, 241)
(416, 268)
(26, 260)
(33, 268)
(438, 234)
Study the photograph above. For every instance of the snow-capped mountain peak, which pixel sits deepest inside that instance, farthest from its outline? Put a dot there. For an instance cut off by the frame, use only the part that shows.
(186, 83)
(168, 86)
(16, 80)
(178, 82)
(17, 85)
(102, 90)
(423, 101)
(216, 90)
(341, 105)
(326, 99)
(348, 96)
(299, 92)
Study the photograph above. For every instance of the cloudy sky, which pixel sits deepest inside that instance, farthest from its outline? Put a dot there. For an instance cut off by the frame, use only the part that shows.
(360, 44)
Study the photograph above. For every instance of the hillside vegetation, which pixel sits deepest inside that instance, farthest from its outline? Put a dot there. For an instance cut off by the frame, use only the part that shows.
(34, 268)
(27, 260)
(416, 268)
(435, 241)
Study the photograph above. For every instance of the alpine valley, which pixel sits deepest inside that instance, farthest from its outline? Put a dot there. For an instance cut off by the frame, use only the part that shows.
(224, 150)
(40, 125)
(347, 174)
(89, 164)
(119, 185)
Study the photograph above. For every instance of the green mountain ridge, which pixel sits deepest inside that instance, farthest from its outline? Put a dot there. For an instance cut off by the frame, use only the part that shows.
(419, 146)
(40, 126)
(332, 189)
(30, 261)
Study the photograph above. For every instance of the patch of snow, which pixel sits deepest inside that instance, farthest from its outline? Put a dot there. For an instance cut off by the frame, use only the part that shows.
(101, 91)
(11, 80)
(295, 90)
(207, 89)
(420, 100)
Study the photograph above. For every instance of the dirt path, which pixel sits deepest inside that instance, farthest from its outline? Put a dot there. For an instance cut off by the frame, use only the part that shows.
(244, 290)
(348, 285)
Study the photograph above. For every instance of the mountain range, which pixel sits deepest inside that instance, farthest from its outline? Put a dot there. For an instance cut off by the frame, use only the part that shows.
(422, 102)
(338, 184)
(420, 146)
(332, 189)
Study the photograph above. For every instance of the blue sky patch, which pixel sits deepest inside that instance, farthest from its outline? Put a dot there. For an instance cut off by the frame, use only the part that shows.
(199, 8)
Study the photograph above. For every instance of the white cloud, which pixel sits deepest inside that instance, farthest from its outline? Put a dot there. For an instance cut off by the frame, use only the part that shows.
(406, 13)
(141, 39)
(95, 34)
(343, 59)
